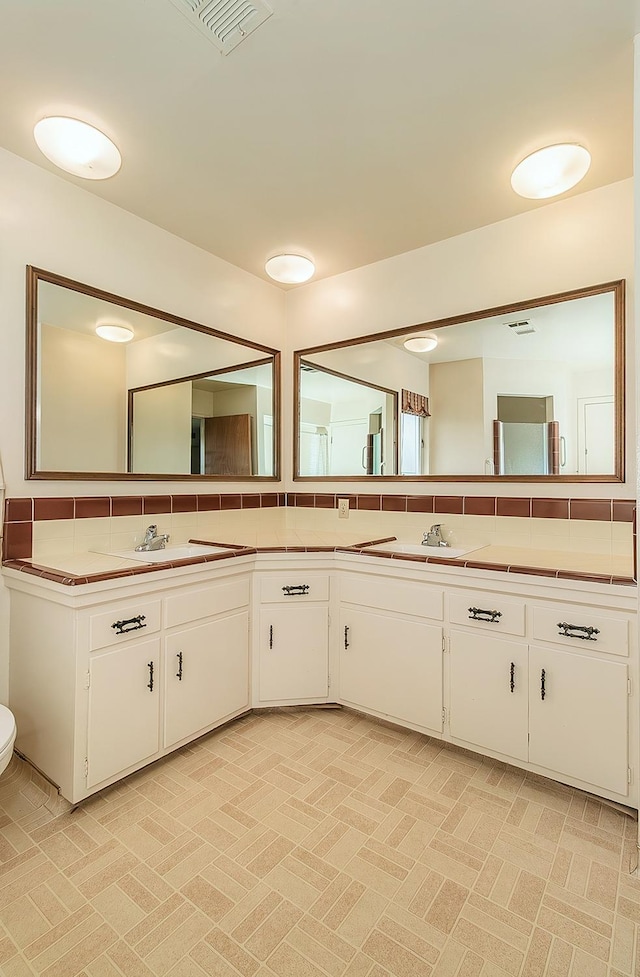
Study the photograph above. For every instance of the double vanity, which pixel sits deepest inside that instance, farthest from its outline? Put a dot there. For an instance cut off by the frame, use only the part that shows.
(111, 674)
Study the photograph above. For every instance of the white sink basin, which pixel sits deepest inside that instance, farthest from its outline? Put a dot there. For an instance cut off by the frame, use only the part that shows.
(445, 552)
(184, 551)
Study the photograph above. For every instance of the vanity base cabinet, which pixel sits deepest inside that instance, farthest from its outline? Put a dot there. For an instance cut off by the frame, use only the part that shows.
(392, 666)
(206, 675)
(124, 708)
(489, 692)
(294, 652)
(579, 716)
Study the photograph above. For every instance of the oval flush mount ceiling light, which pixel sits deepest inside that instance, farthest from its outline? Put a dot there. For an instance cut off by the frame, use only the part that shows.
(421, 344)
(551, 171)
(115, 334)
(290, 269)
(77, 147)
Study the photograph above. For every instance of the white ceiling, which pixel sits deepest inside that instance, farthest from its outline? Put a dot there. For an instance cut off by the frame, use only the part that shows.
(348, 129)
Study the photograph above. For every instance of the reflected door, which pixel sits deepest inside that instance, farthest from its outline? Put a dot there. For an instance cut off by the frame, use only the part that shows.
(596, 424)
(227, 445)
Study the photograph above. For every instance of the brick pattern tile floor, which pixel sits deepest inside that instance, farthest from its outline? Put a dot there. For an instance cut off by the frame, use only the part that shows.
(317, 844)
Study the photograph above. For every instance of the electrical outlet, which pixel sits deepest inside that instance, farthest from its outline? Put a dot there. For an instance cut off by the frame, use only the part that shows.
(343, 508)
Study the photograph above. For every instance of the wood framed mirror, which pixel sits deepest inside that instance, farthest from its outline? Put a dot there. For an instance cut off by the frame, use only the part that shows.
(532, 391)
(155, 397)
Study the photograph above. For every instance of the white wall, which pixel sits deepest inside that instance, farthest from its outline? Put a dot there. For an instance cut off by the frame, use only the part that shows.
(583, 240)
(456, 426)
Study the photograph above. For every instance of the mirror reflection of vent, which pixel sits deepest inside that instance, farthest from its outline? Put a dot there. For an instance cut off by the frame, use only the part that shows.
(306, 368)
(225, 22)
(524, 327)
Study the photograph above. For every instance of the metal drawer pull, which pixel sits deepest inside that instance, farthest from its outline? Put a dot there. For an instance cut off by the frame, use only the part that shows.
(120, 627)
(477, 614)
(271, 636)
(543, 687)
(346, 636)
(586, 634)
(150, 685)
(296, 590)
(179, 672)
(512, 677)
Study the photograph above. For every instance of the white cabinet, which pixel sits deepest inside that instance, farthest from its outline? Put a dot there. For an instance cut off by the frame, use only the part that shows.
(124, 706)
(206, 675)
(392, 666)
(578, 715)
(95, 678)
(489, 692)
(292, 638)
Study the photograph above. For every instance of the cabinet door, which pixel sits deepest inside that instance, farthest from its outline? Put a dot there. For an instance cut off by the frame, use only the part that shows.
(206, 675)
(578, 715)
(124, 712)
(294, 652)
(489, 685)
(392, 666)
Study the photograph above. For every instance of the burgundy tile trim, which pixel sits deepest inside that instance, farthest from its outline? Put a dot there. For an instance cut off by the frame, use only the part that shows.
(369, 502)
(624, 581)
(208, 503)
(53, 509)
(444, 562)
(325, 501)
(18, 540)
(478, 505)
(250, 501)
(536, 571)
(18, 510)
(476, 565)
(126, 505)
(577, 575)
(230, 502)
(153, 504)
(92, 508)
(269, 500)
(550, 508)
(375, 542)
(420, 503)
(394, 503)
(513, 507)
(184, 503)
(304, 500)
(590, 509)
(624, 510)
(448, 503)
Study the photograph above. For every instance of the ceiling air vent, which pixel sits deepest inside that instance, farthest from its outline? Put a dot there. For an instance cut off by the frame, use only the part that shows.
(521, 328)
(225, 22)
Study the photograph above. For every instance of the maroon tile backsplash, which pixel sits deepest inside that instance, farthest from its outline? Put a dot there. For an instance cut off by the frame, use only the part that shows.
(126, 505)
(17, 541)
(449, 503)
(590, 509)
(19, 510)
(514, 507)
(92, 508)
(152, 504)
(550, 508)
(479, 505)
(53, 509)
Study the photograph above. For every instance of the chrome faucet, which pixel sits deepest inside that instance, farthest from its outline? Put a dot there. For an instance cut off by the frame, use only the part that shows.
(434, 537)
(152, 541)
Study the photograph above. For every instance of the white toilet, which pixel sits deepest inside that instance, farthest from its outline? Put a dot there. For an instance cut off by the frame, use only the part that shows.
(7, 736)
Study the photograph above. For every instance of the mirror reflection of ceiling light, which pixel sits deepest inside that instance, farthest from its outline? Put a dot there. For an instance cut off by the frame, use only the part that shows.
(551, 171)
(290, 269)
(421, 344)
(115, 334)
(77, 147)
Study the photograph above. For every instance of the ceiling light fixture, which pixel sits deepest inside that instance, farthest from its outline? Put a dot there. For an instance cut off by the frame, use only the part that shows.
(551, 171)
(290, 269)
(115, 334)
(421, 344)
(77, 147)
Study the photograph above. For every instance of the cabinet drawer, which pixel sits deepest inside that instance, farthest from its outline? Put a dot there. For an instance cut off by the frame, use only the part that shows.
(402, 596)
(487, 611)
(194, 604)
(294, 587)
(576, 626)
(135, 619)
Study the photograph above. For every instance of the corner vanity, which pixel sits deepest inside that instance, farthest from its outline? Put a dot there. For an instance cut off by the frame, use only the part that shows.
(110, 674)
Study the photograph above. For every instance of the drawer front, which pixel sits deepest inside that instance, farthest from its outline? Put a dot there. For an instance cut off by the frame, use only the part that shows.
(404, 597)
(291, 588)
(134, 619)
(576, 626)
(195, 604)
(488, 612)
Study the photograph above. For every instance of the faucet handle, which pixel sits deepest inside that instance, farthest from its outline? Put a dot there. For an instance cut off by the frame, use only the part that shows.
(436, 527)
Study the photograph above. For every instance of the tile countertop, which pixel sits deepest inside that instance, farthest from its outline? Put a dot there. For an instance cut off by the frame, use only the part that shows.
(86, 567)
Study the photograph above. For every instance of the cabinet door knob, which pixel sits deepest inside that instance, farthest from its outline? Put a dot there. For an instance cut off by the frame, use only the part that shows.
(271, 636)
(478, 614)
(543, 680)
(150, 683)
(179, 672)
(577, 631)
(346, 636)
(512, 677)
